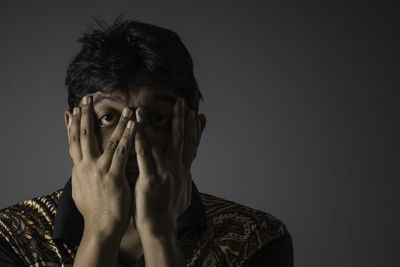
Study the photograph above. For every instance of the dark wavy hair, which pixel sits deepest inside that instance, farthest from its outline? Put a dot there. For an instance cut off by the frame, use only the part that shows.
(112, 54)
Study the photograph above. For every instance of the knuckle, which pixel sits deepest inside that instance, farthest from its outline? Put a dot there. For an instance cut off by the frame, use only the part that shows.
(127, 135)
(85, 110)
(101, 168)
(150, 184)
(122, 121)
(86, 164)
(112, 144)
(74, 138)
(120, 127)
(121, 150)
(75, 119)
(84, 132)
(121, 124)
(111, 174)
(95, 173)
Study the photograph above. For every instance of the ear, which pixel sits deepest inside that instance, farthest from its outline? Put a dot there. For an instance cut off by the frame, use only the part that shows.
(202, 119)
(68, 119)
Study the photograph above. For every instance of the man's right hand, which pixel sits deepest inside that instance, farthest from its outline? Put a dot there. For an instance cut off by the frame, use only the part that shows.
(100, 188)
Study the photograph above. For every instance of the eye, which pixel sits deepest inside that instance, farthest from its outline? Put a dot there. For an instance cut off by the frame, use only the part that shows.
(160, 120)
(106, 120)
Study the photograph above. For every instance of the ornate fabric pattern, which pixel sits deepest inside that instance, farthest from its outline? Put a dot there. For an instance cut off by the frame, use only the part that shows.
(234, 233)
(28, 228)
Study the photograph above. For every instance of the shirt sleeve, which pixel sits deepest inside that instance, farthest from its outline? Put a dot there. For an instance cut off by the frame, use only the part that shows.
(279, 253)
(8, 258)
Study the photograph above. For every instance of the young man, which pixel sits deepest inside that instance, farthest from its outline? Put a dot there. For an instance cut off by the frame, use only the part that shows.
(133, 130)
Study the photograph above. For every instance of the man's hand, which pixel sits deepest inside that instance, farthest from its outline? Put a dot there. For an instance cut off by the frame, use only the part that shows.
(164, 186)
(99, 185)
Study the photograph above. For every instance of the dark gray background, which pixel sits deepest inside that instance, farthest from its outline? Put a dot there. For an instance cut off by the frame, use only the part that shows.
(301, 100)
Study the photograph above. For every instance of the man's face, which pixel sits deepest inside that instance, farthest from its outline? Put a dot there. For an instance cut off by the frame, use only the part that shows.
(152, 93)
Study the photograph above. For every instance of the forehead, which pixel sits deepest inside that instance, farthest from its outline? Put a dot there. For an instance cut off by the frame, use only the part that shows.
(141, 91)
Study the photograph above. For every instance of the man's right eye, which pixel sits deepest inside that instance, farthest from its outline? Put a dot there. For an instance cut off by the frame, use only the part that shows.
(106, 120)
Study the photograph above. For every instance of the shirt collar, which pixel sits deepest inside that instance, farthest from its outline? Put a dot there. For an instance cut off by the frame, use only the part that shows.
(68, 225)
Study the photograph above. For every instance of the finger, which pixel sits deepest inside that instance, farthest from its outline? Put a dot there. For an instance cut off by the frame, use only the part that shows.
(120, 157)
(156, 152)
(89, 143)
(175, 143)
(159, 160)
(190, 140)
(112, 144)
(144, 122)
(187, 197)
(143, 153)
(74, 136)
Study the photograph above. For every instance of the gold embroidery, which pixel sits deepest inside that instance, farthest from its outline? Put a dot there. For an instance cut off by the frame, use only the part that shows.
(28, 228)
(234, 233)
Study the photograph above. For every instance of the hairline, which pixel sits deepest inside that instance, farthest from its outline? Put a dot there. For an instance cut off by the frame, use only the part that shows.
(155, 97)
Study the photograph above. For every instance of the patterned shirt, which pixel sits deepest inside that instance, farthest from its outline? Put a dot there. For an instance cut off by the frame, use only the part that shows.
(46, 231)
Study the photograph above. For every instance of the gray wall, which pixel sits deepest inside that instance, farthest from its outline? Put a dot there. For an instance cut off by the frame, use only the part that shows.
(301, 101)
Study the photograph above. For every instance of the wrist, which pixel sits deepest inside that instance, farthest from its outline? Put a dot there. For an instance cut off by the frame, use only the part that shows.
(167, 245)
(148, 229)
(97, 248)
(158, 239)
(106, 233)
(104, 225)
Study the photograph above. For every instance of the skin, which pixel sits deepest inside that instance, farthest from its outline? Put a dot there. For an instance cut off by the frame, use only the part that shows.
(132, 184)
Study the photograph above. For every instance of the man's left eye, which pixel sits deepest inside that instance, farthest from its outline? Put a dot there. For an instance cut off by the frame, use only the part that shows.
(106, 120)
(160, 120)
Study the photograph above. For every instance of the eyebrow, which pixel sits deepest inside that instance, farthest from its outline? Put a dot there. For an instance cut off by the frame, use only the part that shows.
(100, 98)
(154, 98)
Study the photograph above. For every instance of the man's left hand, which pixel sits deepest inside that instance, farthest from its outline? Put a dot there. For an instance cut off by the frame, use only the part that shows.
(164, 186)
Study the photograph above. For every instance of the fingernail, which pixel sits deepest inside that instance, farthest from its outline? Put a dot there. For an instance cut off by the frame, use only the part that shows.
(125, 112)
(75, 111)
(85, 100)
(130, 124)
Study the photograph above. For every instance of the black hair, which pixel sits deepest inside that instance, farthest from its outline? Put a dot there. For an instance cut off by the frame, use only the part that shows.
(113, 54)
